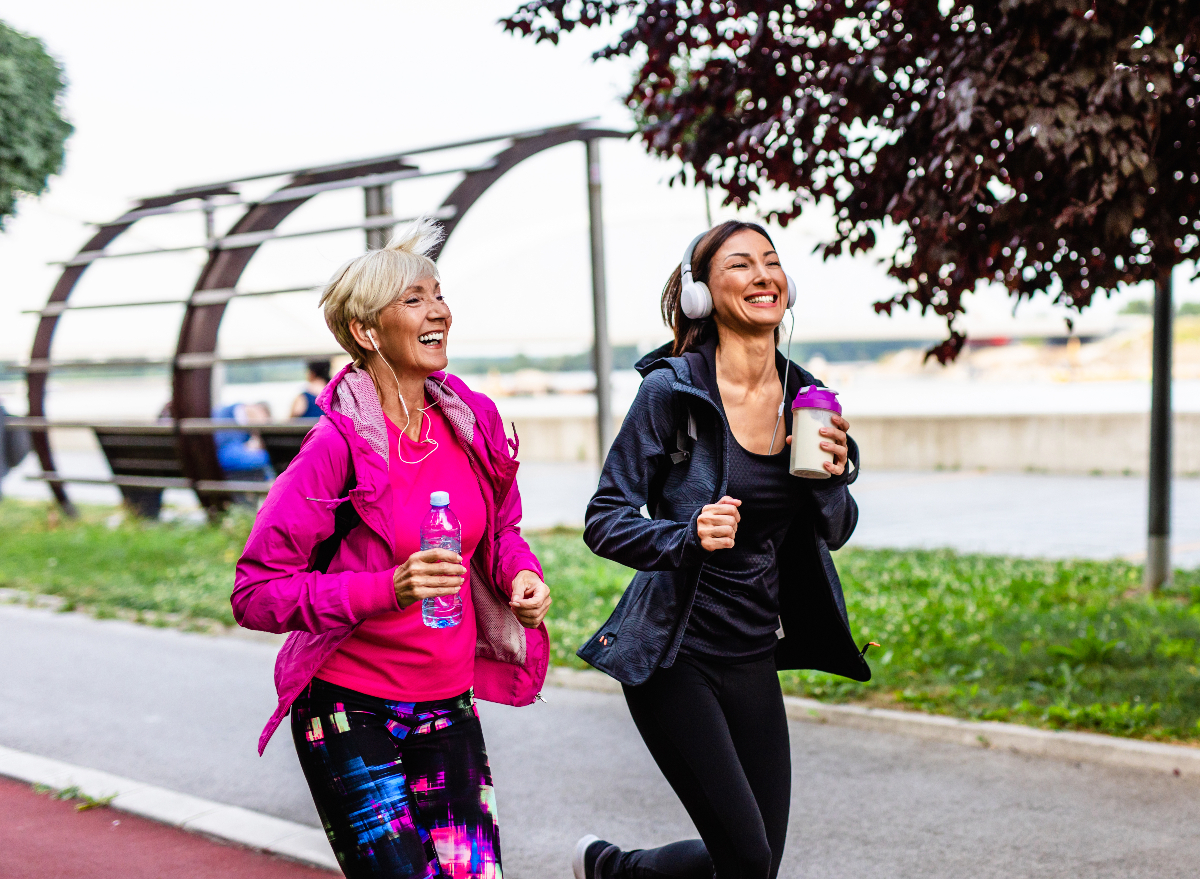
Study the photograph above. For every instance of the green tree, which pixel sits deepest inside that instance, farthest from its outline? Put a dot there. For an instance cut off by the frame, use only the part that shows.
(32, 128)
(1049, 146)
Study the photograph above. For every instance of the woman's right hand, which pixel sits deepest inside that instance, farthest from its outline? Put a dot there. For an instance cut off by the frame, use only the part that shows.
(429, 573)
(717, 523)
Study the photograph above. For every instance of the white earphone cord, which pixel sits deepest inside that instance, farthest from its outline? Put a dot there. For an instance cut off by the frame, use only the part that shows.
(407, 416)
(787, 367)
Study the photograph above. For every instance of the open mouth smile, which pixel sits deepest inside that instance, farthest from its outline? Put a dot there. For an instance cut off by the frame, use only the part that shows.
(432, 340)
(763, 299)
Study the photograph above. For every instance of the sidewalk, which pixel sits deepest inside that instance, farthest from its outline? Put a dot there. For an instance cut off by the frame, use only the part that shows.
(47, 838)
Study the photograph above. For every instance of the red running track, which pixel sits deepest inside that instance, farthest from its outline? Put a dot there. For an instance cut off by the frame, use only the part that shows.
(47, 839)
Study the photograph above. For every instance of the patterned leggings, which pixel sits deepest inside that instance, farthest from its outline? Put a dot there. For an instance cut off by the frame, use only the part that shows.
(403, 789)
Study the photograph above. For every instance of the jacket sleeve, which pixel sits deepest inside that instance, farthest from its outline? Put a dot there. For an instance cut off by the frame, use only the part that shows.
(836, 511)
(615, 527)
(513, 554)
(274, 590)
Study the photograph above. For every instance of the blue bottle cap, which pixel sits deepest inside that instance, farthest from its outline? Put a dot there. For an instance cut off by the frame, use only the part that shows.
(439, 499)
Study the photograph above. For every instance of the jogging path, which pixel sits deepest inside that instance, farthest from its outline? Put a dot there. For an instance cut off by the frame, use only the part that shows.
(183, 711)
(44, 838)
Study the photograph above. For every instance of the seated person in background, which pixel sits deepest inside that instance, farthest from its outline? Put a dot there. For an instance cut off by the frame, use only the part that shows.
(305, 406)
(241, 453)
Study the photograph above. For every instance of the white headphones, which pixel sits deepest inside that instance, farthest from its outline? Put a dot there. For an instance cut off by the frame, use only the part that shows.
(695, 298)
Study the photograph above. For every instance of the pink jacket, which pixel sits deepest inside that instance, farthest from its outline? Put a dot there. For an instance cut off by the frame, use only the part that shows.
(275, 590)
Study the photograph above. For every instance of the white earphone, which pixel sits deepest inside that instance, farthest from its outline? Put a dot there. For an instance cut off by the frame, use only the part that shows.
(408, 417)
(695, 298)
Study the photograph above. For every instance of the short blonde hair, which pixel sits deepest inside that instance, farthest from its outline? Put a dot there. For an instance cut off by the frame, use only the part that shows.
(368, 284)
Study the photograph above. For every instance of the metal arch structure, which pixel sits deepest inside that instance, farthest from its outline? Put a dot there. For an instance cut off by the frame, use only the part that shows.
(195, 353)
(229, 256)
(38, 370)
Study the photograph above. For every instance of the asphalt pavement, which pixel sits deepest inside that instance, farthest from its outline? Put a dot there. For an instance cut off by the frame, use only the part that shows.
(184, 711)
(1024, 514)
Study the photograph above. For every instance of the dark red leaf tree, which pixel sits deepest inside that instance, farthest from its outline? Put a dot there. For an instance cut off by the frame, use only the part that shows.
(1047, 145)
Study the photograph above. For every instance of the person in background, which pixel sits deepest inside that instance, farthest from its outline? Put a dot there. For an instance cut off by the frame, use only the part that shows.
(14, 444)
(305, 405)
(240, 452)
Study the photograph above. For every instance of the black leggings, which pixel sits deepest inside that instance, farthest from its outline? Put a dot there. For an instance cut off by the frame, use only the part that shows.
(719, 734)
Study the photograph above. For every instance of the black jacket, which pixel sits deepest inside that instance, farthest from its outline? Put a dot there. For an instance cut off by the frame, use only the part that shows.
(653, 462)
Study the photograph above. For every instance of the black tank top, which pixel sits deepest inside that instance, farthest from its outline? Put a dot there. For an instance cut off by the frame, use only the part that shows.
(736, 611)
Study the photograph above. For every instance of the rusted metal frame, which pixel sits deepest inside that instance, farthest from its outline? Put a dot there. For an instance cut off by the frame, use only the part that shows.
(188, 361)
(236, 242)
(44, 335)
(476, 183)
(207, 485)
(159, 428)
(295, 427)
(210, 295)
(120, 481)
(395, 157)
(192, 386)
(289, 193)
(167, 427)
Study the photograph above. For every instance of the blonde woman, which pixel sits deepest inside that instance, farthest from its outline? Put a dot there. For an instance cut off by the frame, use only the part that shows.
(382, 706)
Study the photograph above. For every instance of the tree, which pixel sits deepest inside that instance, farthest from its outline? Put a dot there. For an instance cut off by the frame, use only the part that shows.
(32, 128)
(1049, 146)
(1046, 145)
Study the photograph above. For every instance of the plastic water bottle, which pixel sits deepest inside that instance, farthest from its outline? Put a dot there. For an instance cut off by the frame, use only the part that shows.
(441, 530)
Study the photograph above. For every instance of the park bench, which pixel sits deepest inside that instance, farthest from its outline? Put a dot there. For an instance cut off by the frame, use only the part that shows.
(146, 458)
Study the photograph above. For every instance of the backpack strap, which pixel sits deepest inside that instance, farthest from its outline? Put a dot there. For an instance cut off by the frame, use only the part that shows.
(684, 442)
(345, 520)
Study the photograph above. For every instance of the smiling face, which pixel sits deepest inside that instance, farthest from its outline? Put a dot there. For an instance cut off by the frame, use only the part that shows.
(748, 286)
(412, 331)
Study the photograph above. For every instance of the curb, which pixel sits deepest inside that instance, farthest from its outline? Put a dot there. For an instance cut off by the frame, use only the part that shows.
(255, 830)
(1074, 747)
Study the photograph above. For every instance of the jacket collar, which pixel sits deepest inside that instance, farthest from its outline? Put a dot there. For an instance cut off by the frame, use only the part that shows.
(660, 358)
(352, 404)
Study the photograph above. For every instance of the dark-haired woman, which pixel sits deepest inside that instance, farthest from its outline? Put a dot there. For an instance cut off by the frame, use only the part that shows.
(735, 580)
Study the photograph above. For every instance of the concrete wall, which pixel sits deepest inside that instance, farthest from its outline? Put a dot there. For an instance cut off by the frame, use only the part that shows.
(1113, 443)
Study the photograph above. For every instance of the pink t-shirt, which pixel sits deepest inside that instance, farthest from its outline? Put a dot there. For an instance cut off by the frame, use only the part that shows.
(394, 655)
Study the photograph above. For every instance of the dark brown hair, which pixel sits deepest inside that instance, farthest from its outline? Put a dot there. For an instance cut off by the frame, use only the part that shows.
(689, 333)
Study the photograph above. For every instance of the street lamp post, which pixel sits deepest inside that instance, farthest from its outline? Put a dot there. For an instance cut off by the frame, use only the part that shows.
(1158, 547)
(601, 350)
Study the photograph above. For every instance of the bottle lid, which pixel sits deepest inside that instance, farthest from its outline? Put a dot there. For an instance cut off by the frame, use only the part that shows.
(439, 499)
(813, 397)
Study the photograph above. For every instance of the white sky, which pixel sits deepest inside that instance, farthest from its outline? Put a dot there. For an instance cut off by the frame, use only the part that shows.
(165, 95)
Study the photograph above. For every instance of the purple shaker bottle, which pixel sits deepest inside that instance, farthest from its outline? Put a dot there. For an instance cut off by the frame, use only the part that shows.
(812, 409)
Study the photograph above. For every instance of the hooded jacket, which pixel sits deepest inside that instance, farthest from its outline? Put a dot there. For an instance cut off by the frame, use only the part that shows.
(277, 590)
(655, 463)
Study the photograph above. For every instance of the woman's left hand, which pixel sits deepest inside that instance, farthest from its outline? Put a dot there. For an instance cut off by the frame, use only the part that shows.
(836, 444)
(530, 599)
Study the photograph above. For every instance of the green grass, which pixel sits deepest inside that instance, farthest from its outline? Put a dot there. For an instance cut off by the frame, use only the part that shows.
(177, 573)
(1060, 644)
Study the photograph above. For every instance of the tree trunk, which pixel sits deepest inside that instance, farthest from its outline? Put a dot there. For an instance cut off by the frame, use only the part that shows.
(1158, 549)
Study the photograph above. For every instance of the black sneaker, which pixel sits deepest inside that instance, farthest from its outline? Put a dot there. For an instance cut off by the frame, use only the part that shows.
(591, 854)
